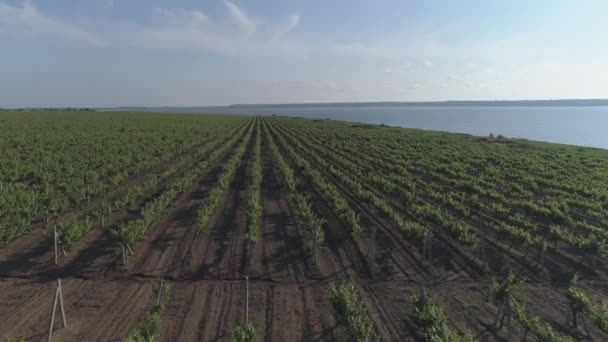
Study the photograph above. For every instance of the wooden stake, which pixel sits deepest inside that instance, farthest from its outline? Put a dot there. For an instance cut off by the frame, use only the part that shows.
(55, 245)
(482, 249)
(65, 323)
(246, 299)
(58, 297)
(160, 291)
(373, 251)
(316, 248)
(124, 255)
(53, 314)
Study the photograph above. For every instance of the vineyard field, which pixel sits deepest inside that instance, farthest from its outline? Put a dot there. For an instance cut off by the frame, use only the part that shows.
(177, 227)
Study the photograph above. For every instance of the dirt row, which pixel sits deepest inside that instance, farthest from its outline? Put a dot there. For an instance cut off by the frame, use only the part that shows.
(537, 293)
(288, 295)
(32, 254)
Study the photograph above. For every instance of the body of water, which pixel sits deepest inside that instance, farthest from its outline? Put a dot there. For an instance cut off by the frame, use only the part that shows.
(584, 126)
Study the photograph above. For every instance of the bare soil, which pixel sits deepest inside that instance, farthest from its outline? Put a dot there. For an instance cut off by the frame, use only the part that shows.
(288, 294)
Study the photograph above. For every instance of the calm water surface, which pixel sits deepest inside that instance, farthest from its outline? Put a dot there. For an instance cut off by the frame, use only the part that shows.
(585, 126)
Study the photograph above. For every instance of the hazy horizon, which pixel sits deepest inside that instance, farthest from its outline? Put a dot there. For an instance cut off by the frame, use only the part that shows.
(105, 53)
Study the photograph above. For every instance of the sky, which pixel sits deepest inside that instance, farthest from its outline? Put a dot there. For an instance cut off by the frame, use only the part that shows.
(105, 53)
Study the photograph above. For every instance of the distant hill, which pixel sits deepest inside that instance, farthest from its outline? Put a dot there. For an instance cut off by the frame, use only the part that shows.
(519, 103)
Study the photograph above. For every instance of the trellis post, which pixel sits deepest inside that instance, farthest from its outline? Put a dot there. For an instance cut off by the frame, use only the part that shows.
(55, 245)
(58, 298)
(373, 250)
(246, 299)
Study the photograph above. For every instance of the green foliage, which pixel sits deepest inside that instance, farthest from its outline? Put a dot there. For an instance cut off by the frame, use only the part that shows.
(244, 332)
(71, 233)
(300, 202)
(350, 312)
(523, 191)
(543, 331)
(329, 191)
(254, 200)
(308, 219)
(150, 329)
(206, 211)
(580, 302)
(505, 294)
(433, 320)
(56, 161)
(15, 339)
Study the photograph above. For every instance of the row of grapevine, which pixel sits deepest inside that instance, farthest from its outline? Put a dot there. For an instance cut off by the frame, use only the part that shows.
(505, 295)
(329, 191)
(53, 162)
(411, 229)
(254, 199)
(480, 187)
(517, 229)
(433, 320)
(128, 233)
(581, 303)
(350, 313)
(72, 232)
(150, 328)
(300, 203)
(206, 211)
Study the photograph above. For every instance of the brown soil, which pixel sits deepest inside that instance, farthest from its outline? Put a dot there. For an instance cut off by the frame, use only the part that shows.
(288, 294)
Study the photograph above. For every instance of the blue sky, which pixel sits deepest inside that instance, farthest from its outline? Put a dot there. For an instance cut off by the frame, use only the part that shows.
(215, 52)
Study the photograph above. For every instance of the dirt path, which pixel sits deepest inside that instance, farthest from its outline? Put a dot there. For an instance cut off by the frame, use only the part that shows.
(95, 310)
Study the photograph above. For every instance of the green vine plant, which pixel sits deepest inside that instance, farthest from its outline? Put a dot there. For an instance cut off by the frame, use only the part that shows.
(505, 295)
(433, 320)
(581, 303)
(244, 332)
(351, 315)
(150, 328)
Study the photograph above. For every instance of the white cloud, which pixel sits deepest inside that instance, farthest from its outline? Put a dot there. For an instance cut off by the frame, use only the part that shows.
(291, 24)
(428, 63)
(182, 17)
(240, 18)
(27, 22)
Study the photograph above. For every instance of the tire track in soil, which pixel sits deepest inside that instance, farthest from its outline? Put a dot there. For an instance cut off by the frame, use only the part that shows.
(116, 307)
(169, 249)
(224, 255)
(279, 253)
(201, 309)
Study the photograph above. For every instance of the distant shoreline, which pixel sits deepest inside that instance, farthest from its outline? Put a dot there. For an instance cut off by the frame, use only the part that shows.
(515, 103)
(518, 103)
